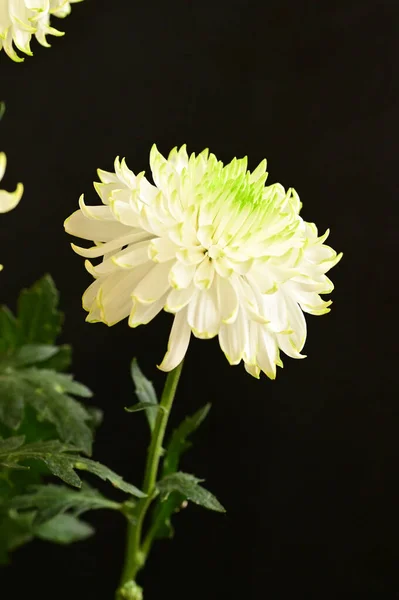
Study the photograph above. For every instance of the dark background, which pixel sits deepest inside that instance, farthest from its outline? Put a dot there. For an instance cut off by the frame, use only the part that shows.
(306, 465)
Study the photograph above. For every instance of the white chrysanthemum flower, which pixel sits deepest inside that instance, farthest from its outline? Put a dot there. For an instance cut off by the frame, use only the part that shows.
(20, 19)
(8, 200)
(213, 245)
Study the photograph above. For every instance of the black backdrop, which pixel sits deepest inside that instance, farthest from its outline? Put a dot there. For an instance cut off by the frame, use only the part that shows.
(306, 465)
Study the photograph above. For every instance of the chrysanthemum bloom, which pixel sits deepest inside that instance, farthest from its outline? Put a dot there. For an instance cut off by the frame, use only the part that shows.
(20, 19)
(213, 245)
(8, 200)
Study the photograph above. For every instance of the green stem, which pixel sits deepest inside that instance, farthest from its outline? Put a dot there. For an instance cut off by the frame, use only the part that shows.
(135, 554)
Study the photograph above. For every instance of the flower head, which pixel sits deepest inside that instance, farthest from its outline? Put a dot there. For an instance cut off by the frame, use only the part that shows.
(20, 19)
(213, 245)
(8, 200)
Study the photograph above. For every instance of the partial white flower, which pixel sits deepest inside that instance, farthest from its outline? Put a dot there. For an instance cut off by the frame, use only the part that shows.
(20, 19)
(227, 255)
(8, 200)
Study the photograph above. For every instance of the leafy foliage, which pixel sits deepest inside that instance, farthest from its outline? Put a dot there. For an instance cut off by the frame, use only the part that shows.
(18, 529)
(44, 428)
(52, 500)
(50, 512)
(145, 393)
(170, 503)
(63, 529)
(39, 320)
(188, 486)
(29, 369)
(179, 442)
(62, 460)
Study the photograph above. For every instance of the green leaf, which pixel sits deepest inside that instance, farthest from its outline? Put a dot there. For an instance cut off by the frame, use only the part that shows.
(144, 406)
(62, 460)
(145, 392)
(60, 361)
(178, 443)
(48, 392)
(28, 375)
(16, 530)
(64, 529)
(8, 330)
(12, 404)
(164, 509)
(31, 354)
(39, 319)
(86, 464)
(188, 486)
(2, 109)
(11, 444)
(52, 500)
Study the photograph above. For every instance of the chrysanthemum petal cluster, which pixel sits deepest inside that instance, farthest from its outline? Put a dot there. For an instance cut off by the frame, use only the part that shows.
(211, 244)
(21, 19)
(8, 200)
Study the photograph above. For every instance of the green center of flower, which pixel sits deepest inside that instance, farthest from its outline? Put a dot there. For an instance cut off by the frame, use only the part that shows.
(224, 185)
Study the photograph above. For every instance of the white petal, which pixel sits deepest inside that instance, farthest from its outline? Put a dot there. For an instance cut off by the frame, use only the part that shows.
(286, 345)
(204, 274)
(203, 315)
(179, 158)
(179, 340)
(116, 311)
(253, 370)
(105, 267)
(162, 250)
(204, 235)
(319, 253)
(39, 5)
(251, 347)
(178, 299)
(223, 267)
(297, 323)
(191, 256)
(88, 229)
(259, 172)
(227, 300)
(147, 192)
(105, 190)
(134, 255)
(311, 302)
(233, 338)
(102, 213)
(275, 310)
(240, 267)
(124, 211)
(250, 299)
(3, 160)
(181, 275)
(111, 246)
(90, 294)
(125, 174)
(9, 200)
(141, 314)
(114, 293)
(107, 176)
(154, 285)
(267, 352)
(263, 279)
(94, 315)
